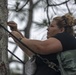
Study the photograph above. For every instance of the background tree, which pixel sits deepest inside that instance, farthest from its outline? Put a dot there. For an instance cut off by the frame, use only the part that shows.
(3, 39)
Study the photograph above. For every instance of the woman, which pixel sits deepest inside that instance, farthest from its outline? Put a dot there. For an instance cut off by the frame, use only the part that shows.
(60, 38)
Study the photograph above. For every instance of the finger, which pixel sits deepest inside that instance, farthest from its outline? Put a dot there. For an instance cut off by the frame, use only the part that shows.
(11, 23)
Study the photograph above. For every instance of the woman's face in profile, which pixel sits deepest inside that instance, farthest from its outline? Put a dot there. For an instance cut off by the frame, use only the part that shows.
(53, 29)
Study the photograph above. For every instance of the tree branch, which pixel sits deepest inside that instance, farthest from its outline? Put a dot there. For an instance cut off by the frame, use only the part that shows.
(59, 3)
(68, 8)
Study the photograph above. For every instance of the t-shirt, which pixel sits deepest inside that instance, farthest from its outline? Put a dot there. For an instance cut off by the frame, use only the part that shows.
(68, 42)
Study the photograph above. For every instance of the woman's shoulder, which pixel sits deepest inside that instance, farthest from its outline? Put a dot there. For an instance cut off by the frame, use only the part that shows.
(60, 35)
(68, 41)
(63, 35)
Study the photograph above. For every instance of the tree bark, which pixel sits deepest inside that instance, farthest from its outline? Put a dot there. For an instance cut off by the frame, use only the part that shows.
(3, 39)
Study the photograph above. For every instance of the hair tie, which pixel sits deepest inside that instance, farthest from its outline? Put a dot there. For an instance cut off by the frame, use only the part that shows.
(64, 19)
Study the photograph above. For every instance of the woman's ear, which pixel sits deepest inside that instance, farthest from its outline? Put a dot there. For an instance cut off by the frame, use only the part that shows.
(62, 29)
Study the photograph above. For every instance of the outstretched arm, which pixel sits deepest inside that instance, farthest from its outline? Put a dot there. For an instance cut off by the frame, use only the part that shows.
(49, 46)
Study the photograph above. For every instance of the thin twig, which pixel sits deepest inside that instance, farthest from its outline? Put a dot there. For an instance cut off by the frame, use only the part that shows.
(48, 12)
(23, 6)
(68, 8)
(58, 4)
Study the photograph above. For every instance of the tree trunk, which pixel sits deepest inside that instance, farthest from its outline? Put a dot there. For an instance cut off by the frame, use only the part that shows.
(27, 29)
(3, 39)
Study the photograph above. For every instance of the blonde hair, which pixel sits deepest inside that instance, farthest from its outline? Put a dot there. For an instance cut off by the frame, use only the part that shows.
(67, 21)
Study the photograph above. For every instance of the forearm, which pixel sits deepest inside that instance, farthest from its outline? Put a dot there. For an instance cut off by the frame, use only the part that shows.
(27, 51)
(19, 36)
(35, 45)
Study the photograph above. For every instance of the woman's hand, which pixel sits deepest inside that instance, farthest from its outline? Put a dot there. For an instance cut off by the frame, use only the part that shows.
(12, 25)
(16, 34)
